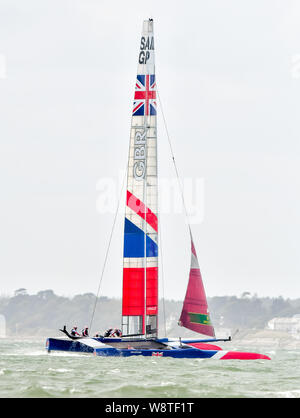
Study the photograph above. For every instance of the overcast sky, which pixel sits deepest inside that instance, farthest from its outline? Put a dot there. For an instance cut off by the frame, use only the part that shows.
(229, 79)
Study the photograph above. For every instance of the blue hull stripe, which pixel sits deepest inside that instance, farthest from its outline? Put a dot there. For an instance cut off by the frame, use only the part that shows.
(175, 353)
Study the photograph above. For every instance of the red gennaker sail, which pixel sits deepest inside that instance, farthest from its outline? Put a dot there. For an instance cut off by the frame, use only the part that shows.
(195, 314)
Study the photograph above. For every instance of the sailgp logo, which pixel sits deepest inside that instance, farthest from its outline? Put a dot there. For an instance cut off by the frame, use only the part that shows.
(147, 45)
(139, 165)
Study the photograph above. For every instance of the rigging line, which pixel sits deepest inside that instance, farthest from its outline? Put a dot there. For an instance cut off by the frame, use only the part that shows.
(145, 222)
(162, 276)
(161, 258)
(108, 247)
(173, 158)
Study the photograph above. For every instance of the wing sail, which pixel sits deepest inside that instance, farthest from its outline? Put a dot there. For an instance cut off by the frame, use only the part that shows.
(140, 262)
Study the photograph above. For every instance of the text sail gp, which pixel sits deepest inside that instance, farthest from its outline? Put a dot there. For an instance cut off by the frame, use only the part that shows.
(147, 44)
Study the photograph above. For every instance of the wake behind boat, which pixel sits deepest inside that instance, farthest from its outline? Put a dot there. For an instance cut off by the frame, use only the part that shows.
(140, 258)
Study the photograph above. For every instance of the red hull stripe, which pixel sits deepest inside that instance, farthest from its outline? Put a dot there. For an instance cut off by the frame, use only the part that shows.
(238, 355)
(204, 346)
(140, 209)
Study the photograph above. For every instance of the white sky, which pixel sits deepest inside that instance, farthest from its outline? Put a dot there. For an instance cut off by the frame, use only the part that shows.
(229, 79)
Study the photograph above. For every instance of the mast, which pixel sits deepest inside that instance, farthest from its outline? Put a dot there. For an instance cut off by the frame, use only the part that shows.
(140, 262)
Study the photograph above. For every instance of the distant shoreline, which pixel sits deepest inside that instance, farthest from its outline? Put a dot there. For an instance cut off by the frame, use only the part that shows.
(42, 314)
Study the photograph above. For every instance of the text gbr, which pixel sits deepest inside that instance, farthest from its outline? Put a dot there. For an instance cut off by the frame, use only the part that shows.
(139, 165)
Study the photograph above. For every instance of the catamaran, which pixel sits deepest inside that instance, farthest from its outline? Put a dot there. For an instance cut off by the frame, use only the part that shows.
(140, 259)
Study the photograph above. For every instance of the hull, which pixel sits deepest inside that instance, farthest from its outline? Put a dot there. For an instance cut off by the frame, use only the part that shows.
(82, 345)
(182, 353)
(58, 344)
(117, 347)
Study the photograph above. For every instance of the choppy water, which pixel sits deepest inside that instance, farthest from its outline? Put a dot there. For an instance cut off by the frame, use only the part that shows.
(27, 370)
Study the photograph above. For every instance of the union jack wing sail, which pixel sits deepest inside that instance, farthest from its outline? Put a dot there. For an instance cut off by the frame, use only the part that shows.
(195, 315)
(140, 262)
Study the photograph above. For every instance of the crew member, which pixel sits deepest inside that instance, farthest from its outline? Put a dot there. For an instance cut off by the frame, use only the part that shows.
(108, 332)
(85, 332)
(116, 333)
(74, 332)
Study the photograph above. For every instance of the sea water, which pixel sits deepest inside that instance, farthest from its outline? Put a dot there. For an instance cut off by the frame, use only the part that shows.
(27, 370)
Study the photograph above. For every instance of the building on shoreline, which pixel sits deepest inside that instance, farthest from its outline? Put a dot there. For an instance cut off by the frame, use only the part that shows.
(290, 325)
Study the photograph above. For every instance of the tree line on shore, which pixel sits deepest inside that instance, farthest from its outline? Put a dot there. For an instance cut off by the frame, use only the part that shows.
(45, 312)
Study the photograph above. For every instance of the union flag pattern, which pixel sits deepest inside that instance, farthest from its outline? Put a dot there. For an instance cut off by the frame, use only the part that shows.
(145, 95)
